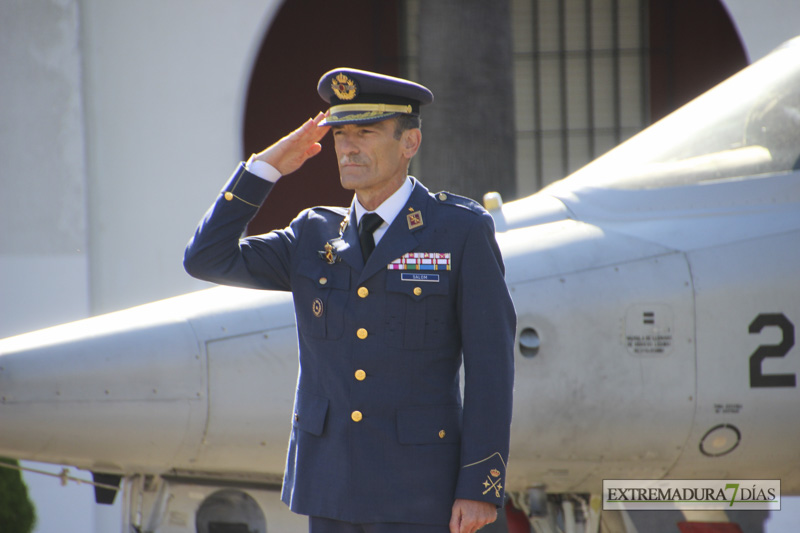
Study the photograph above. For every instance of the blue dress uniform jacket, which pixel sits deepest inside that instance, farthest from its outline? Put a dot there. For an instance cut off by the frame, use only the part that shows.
(379, 430)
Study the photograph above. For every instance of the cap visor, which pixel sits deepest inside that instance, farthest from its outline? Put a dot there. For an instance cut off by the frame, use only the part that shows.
(367, 117)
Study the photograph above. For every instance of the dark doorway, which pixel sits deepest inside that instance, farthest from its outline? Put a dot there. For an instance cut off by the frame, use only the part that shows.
(306, 39)
(693, 47)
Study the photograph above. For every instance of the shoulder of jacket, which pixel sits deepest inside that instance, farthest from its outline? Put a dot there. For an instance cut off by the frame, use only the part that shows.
(321, 214)
(324, 212)
(454, 200)
(340, 211)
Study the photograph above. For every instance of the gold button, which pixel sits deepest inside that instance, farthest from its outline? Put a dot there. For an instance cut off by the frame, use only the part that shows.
(417, 291)
(363, 292)
(356, 416)
(442, 196)
(323, 281)
(362, 333)
(442, 434)
(229, 196)
(361, 375)
(296, 417)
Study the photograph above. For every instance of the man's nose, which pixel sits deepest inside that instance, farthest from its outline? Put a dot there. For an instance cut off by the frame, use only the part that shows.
(347, 145)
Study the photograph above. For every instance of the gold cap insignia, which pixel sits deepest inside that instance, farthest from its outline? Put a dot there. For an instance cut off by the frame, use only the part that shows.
(495, 472)
(316, 307)
(343, 87)
(414, 220)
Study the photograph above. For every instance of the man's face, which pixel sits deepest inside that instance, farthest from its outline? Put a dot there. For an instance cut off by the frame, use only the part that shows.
(370, 158)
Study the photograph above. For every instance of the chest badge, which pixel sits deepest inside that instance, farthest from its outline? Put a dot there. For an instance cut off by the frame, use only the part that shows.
(414, 220)
(316, 307)
(328, 255)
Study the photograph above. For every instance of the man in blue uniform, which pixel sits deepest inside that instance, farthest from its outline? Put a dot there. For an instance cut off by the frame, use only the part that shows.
(391, 296)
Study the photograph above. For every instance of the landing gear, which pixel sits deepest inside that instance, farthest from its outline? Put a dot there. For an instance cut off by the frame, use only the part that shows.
(564, 513)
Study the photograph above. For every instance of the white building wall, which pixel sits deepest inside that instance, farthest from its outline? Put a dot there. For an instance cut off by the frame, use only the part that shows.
(764, 25)
(165, 84)
(43, 242)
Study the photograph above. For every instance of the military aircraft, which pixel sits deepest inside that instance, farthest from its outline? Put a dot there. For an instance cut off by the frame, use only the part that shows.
(657, 291)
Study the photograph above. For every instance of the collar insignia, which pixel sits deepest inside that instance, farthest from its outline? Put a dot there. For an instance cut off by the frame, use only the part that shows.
(328, 255)
(343, 87)
(414, 220)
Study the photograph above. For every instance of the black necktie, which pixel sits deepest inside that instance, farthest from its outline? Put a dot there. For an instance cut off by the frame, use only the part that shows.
(368, 224)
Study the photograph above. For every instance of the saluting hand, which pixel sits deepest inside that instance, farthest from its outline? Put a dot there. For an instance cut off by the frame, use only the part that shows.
(289, 153)
(469, 516)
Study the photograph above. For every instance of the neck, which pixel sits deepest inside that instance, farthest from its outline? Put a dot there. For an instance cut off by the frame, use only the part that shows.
(371, 199)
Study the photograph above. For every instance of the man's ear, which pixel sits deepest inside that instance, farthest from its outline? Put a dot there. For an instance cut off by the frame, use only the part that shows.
(411, 141)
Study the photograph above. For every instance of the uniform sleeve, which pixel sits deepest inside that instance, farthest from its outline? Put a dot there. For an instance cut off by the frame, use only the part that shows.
(488, 327)
(216, 252)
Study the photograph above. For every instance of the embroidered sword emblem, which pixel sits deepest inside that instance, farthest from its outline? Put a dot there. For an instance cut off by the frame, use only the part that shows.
(489, 484)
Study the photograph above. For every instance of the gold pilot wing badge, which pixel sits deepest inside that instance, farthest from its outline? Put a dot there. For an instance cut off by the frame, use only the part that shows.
(328, 255)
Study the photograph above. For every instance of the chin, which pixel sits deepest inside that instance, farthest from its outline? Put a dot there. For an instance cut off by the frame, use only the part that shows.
(347, 184)
(350, 183)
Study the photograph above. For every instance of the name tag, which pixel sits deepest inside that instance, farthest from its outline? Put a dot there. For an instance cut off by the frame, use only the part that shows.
(420, 277)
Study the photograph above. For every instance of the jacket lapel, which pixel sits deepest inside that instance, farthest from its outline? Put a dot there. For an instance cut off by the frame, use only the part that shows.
(400, 237)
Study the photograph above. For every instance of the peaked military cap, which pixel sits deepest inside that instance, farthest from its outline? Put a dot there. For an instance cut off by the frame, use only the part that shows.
(362, 97)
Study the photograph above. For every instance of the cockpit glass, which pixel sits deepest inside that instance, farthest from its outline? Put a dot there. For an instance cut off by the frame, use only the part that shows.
(747, 126)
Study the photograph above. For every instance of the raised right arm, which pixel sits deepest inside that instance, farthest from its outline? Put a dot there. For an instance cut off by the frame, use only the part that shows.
(217, 253)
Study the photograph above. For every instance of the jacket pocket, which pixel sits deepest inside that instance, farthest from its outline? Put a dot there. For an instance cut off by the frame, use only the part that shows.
(437, 424)
(310, 412)
(419, 314)
(320, 297)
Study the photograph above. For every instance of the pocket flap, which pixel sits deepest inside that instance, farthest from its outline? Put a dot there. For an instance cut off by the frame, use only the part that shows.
(417, 285)
(438, 424)
(310, 411)
(326, 276)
